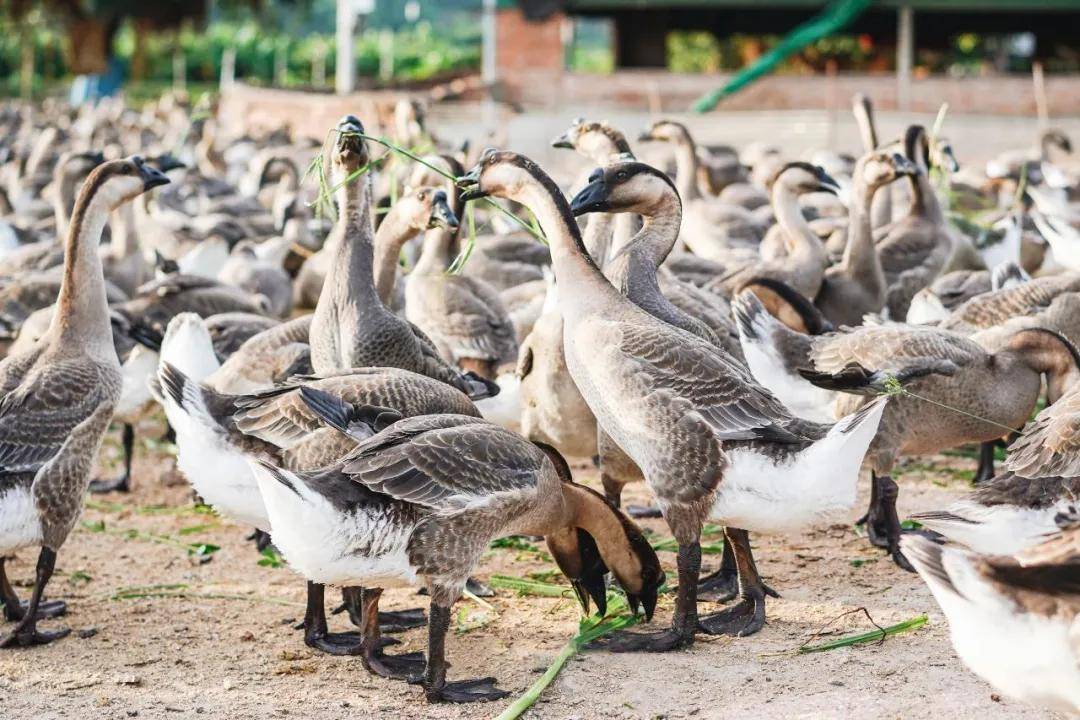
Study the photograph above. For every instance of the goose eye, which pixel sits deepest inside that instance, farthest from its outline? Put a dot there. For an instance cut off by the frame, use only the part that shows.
(621, 175)
(422, 197)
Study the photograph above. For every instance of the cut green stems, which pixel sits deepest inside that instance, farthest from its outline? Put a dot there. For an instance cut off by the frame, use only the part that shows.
(180, 590)
(589, 629)
(872, 636)
(524, 586)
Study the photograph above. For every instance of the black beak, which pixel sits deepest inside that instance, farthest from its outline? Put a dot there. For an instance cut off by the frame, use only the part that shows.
(645, 136)
(442, 215)
(828, 184)
(165, 163)
(904, 167)
(562, 142)
(151, 176)
(953, 164)
(593, 198)
(469, 184)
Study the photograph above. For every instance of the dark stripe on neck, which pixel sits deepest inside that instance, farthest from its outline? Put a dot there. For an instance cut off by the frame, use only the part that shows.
(561, 205)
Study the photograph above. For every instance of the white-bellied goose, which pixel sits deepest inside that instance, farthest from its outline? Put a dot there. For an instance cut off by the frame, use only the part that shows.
(1013, 620)
(56, 399)
(971, 394)
(420, 501)
(215, 431)
(351, 327)
(709, 440)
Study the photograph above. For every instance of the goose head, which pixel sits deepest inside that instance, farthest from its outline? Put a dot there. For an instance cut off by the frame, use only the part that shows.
(665, 131)
(942, 156)
(350, 150)
(424, 208)
(500, 173)
(118, 181)
(624, 186)
(881, 167)
(802, 178)
(597, 141)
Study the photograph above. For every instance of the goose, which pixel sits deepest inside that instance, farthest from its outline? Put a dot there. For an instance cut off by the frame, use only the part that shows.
(246, 270)
(1006, 515)
(704, 434)
(419, 502)
(1013, 620)
(856, 285)
(215, 432)
(351, 327)
(994, 308)
(914, 250)
(462, 315)
(419, 209)
(58, 399)
(631, 253)
(863, 109)
(803, 267)
(935, 303)
(710, 228)
(949, 374)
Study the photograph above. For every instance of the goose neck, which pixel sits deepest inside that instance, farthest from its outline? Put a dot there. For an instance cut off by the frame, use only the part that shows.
(686, 168)
(81, 320)
(391, 236)
(799, 238)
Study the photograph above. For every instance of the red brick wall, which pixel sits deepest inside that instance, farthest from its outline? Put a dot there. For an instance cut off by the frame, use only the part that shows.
(525, 47)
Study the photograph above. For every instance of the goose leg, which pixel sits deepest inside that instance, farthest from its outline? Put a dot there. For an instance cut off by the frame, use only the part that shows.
(683, 624)
(875, 518)
(15, 609)
(393, 667)
(723, 585)
(748, 616)
(986, 462)
(317, 635)
(888, 492)
(436, 688)
(352, 601)
(26, 633)
(123, 482)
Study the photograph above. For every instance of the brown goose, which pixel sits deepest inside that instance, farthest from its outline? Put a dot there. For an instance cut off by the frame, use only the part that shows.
(420, 501)
(1013, 620)
(463, 315)
(914, 249)
(215, 432)
(351, 327)
(856, 285)
(710, 441)
(960, 371)
(56, 399)
(419, 209)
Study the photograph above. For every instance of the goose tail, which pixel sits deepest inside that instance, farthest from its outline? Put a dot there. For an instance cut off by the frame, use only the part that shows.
(773, 353)
(357, 421)
(504, 409)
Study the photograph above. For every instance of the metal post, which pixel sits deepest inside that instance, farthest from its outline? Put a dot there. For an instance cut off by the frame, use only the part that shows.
(345, 72)
(489, 69)
(228, 68)
(905, 55)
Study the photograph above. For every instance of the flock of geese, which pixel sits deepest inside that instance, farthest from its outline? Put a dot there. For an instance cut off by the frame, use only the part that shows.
(380, 392)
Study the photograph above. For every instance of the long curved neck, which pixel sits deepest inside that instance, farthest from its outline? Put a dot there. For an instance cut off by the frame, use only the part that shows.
(392, 235)
(350, 278)
(860, 259)
(659, 231)
(63, 200)
(686, 168)
(81, 320)
(799, 238)
(588, 511)
(124, 240)
(924, 201)
(574, 269)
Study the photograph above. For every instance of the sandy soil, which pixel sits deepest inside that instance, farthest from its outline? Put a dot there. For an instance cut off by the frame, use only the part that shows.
(237, 656)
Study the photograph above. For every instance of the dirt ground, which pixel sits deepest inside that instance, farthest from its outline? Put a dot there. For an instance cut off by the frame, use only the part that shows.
(219, 641)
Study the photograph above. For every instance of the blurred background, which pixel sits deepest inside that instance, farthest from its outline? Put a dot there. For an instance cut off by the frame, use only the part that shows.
(487, 61)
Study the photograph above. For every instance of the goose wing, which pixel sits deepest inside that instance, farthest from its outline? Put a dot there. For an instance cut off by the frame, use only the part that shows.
(669, 367)
(445, 462)
(1050, 444)
(892, 347)
(38, 415)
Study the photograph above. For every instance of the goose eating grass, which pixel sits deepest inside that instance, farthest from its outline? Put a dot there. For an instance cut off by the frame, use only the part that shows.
(420, 501)
(56, 400)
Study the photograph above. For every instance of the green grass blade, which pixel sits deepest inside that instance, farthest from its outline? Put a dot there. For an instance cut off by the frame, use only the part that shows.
(866, 637)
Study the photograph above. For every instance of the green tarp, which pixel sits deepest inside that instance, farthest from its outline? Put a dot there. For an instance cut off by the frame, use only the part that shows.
(833, 18)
